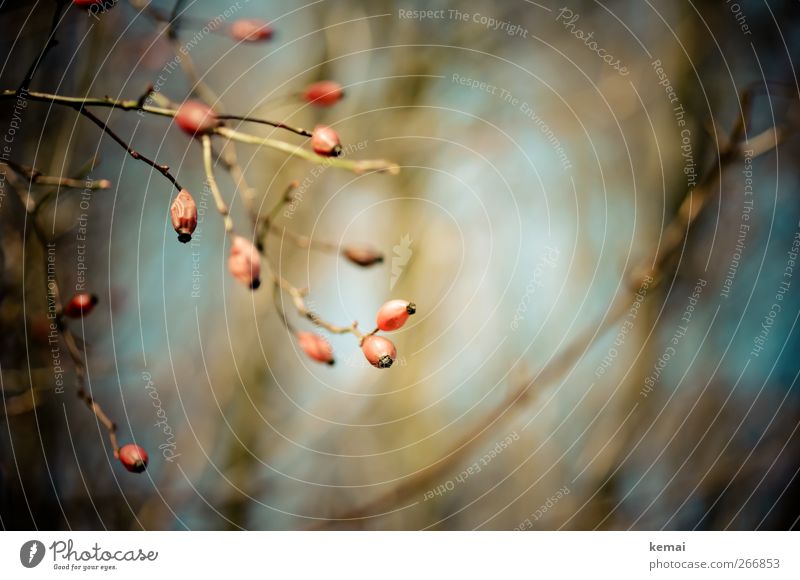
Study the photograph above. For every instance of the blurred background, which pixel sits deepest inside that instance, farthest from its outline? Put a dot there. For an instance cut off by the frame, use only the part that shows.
(544, 149)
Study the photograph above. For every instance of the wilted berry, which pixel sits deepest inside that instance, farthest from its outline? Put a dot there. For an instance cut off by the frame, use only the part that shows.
(380, 352)
(80, 305)
(324, 93)
(251, 30)
(133, 457)
(196, 118)
(362, 255)
(394, 314)
(325, 141)
(244, 262)
(184, 215)
(316, 347)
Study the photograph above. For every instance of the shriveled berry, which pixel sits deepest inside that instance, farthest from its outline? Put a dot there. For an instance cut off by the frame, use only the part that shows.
(251, 30)
(184, 215)
(380, 352)
(316, 347)
(325, 141)
(80, 305)
(244, 262)
(362, 255)
(133, 458)
(394, 314)
(196, 118)
(324, 93)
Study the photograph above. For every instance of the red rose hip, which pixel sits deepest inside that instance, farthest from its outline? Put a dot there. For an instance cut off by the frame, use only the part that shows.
(133, 458)
(380, 352)
(394, 314)
(184, 215)
(196, 118)
(251, 30)
(324, 93)
(325, 141)
(80, 305)
(316, 347)
(244, 263)
(362, 255)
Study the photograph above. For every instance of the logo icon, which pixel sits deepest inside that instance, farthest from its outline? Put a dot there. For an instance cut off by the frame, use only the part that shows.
(402, 254)
(31, 553)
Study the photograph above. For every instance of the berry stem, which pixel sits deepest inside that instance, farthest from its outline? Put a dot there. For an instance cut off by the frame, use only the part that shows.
(222, 207)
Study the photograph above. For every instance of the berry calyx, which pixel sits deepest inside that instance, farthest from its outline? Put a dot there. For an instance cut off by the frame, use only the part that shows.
(244, 262)
(80, 305)
(362, 255)
(251, 30)
(380, 352)
(316, 347)
(184, 215)
(325, 141)
(324, 93)
(133, 458)
(394, 314)
(196, 118)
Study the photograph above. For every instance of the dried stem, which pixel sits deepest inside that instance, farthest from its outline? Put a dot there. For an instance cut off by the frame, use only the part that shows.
(34, 176)
(208, 164)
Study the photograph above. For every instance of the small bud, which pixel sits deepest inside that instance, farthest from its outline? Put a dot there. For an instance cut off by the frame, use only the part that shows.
(133, 458)
(324, 93)
(251, 30)
(325, 141)
(80, 305)
(316, 347)
(196, 118)
(362, 255)
(184, 215)
(244, 263)
(380, 352)
(394, 314)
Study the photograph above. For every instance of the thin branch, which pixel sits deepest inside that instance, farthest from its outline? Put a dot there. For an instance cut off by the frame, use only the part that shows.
(33, 175)
(276, 124)
(357, 167)
(50, 43)
(208, 164)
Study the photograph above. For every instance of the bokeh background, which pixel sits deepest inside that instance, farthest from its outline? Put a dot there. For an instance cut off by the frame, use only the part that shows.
(535, 177)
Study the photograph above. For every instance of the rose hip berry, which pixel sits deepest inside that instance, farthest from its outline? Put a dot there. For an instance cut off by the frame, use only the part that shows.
(316, 347)
(86, 3)
(324, 93)
(325, 141)
(133, 458)
(196, 118)
(244, 263)
(362, 255)
(251, 30)
(394, 314)
(80, 305)
(184, 215)
(380, 352)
